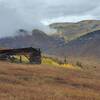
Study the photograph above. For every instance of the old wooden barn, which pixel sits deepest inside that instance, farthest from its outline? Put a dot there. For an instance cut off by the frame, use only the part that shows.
(32, 54)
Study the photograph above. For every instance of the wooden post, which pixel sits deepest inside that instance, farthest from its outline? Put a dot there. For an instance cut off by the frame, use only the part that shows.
(65, 60)
(31, 59)
(20, 59)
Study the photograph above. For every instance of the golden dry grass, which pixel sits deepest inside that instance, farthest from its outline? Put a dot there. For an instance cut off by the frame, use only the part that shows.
(49, 61)
(43, 82)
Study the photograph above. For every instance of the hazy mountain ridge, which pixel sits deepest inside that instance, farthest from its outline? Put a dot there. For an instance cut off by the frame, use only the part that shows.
(85, 48)
(71, 31)
(36, 38)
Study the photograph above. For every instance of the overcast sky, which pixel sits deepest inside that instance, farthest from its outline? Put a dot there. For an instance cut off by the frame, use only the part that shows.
(29, 14)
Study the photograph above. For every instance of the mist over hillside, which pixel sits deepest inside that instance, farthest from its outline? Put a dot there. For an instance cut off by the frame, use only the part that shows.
(36, 38)
(15, 15)
(37, 14)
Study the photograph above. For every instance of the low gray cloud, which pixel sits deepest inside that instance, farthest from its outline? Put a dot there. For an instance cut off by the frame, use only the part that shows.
(29, 14)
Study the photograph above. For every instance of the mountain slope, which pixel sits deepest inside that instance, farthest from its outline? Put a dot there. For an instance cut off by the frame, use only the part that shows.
(86, 48)
(71, 31)
(37, 39)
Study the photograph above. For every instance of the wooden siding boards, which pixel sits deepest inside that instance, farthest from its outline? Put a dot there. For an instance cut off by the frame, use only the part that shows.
(34, 54)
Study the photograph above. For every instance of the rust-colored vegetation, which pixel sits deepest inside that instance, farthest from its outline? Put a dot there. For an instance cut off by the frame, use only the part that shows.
(43, 82)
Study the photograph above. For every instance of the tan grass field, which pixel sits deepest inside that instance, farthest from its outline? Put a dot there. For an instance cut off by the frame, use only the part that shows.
(47, 82)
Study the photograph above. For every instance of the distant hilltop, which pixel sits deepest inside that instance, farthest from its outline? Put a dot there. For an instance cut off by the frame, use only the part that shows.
(70, 30)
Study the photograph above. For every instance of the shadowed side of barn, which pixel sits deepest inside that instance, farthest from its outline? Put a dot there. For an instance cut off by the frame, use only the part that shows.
(32, 54)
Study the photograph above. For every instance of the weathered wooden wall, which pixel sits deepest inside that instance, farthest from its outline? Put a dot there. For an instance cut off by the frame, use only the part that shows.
(34, 55)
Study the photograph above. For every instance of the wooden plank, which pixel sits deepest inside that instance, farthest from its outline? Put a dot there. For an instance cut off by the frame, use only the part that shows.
(34, 54)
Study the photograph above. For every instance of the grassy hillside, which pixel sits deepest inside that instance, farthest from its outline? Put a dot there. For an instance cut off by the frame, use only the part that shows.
(43, 82)
(57, 63)
(71, 31)
(85, 49)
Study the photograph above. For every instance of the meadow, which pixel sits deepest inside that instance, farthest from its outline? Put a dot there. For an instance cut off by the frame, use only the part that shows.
(47, 82)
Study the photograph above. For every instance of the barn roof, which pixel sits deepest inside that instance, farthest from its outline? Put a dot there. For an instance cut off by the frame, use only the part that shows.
(18, 50)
